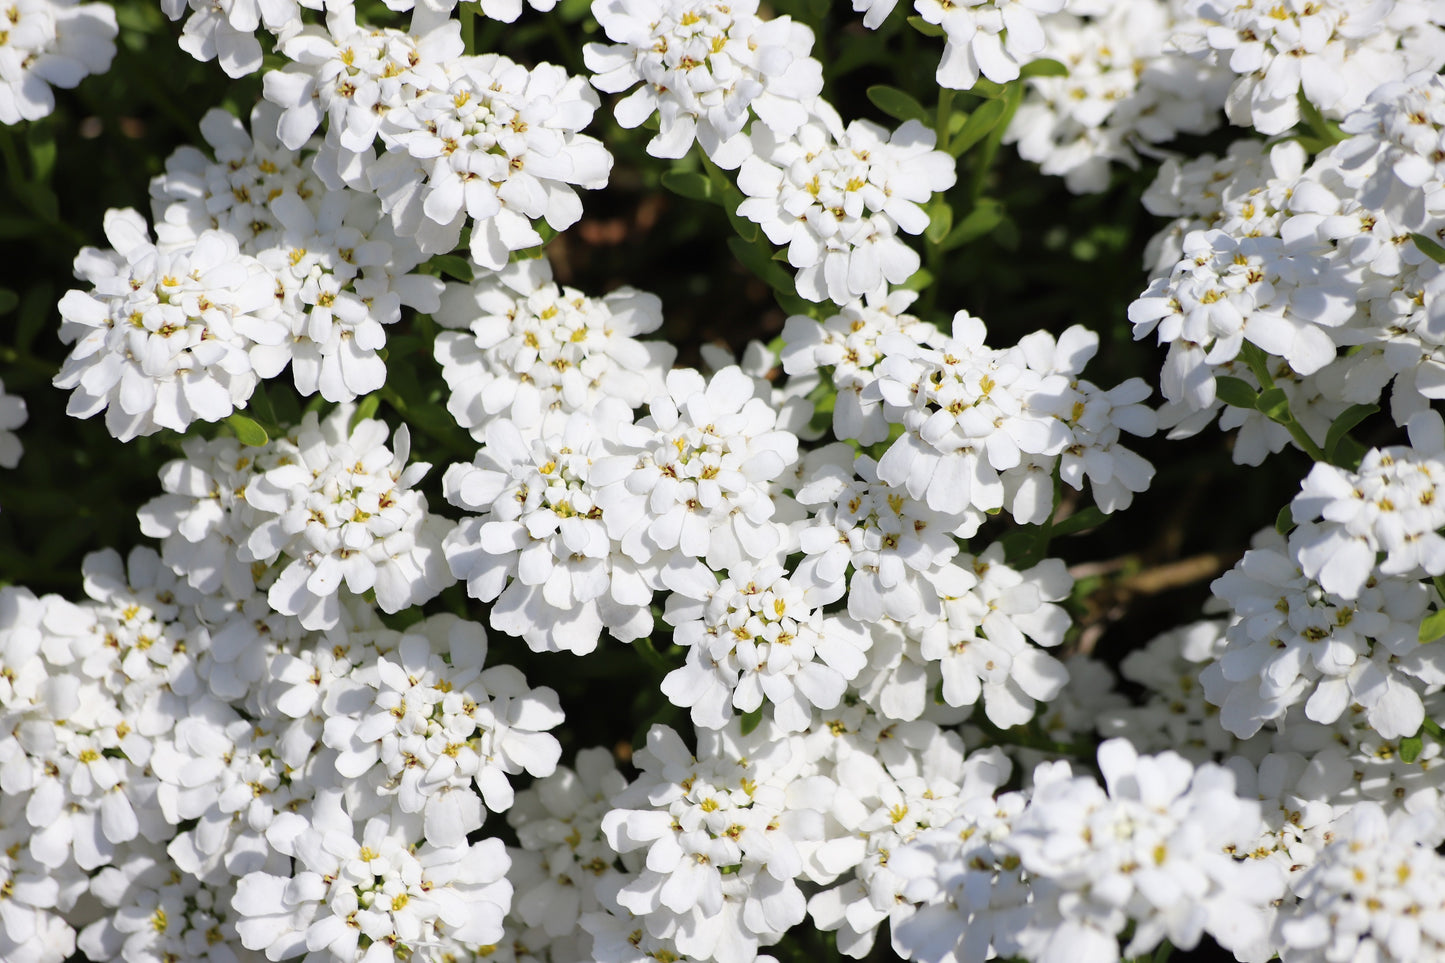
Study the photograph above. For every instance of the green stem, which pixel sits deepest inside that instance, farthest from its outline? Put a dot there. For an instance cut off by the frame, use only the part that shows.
(1258, 363)
(468, 15)
(1013, 96)
(945, 114)
(655, 659)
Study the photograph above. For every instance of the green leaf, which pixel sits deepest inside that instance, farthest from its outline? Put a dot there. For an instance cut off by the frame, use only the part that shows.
(762, 265)
(41, 140)
(365, 410)
(1044, 67)
(1284, 521)
(1325, 130)
(1432, 727)
(940, 221)
(1343, 424)
(453, 266)
(1235, 392)
(1433, 626)
(1410, 748)
(37, 311)
(751, 720)
(1429, 247)
(1275, 405)
(979, 222)
(976, 128)
(897, 104)
(689, 184)
(919, 281)
(1090, 517)
(247, 431)
(8, 300)
(924, 27)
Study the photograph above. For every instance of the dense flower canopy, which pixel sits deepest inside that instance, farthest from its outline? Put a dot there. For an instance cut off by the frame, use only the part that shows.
(681, 655)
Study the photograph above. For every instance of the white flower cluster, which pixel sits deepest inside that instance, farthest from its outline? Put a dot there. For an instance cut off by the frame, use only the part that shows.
(46, 44)
(535, 352)
(1310, 264)
(300, 517)
(985, 428)
(1333, 52)
(247, 745)
(704, 68)
(837, 197)
(1126, 89)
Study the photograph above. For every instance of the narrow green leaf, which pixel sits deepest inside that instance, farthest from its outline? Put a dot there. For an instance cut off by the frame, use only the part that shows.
(919, 281)
(1323, 129)
(1235, 392)
(453, 266)
(1090, 517)
(1044, 68)
(689, 184)
(979, 222)
(247, 431)
(1410, 748)
(940, 220)
(1274, 403)
(751, 720)
(1432, 727)
(762, 265)
(41, 140)
(897, 104)
(1284, 521)
(976, 128)
(1343, 424)
(924, 27)
(8, 300)
(366, 409)
(1429, 247)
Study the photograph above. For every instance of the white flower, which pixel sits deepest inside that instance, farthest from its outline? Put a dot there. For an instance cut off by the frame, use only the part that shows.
(1123, 90)
(546, 540)
(733, 809)
(1293, 641)
(50, 43)
(346, 509)
(493, 144)
(990, 612)
(1375, 892)
(437, 723)
(154, 913)
(703, 66)
(343, 73)
(837, 197)
(534, 351)
(707, 461)
(891, 543)
(1226, 290)
(372, 881)
(1154, 850)
(559, 818)
(233, 192)
(758, 637)
(848, 342)
(162, 338)
(1333, 52)
(992, 37)
(1390, 504)
(226, 31)
(340, 276)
